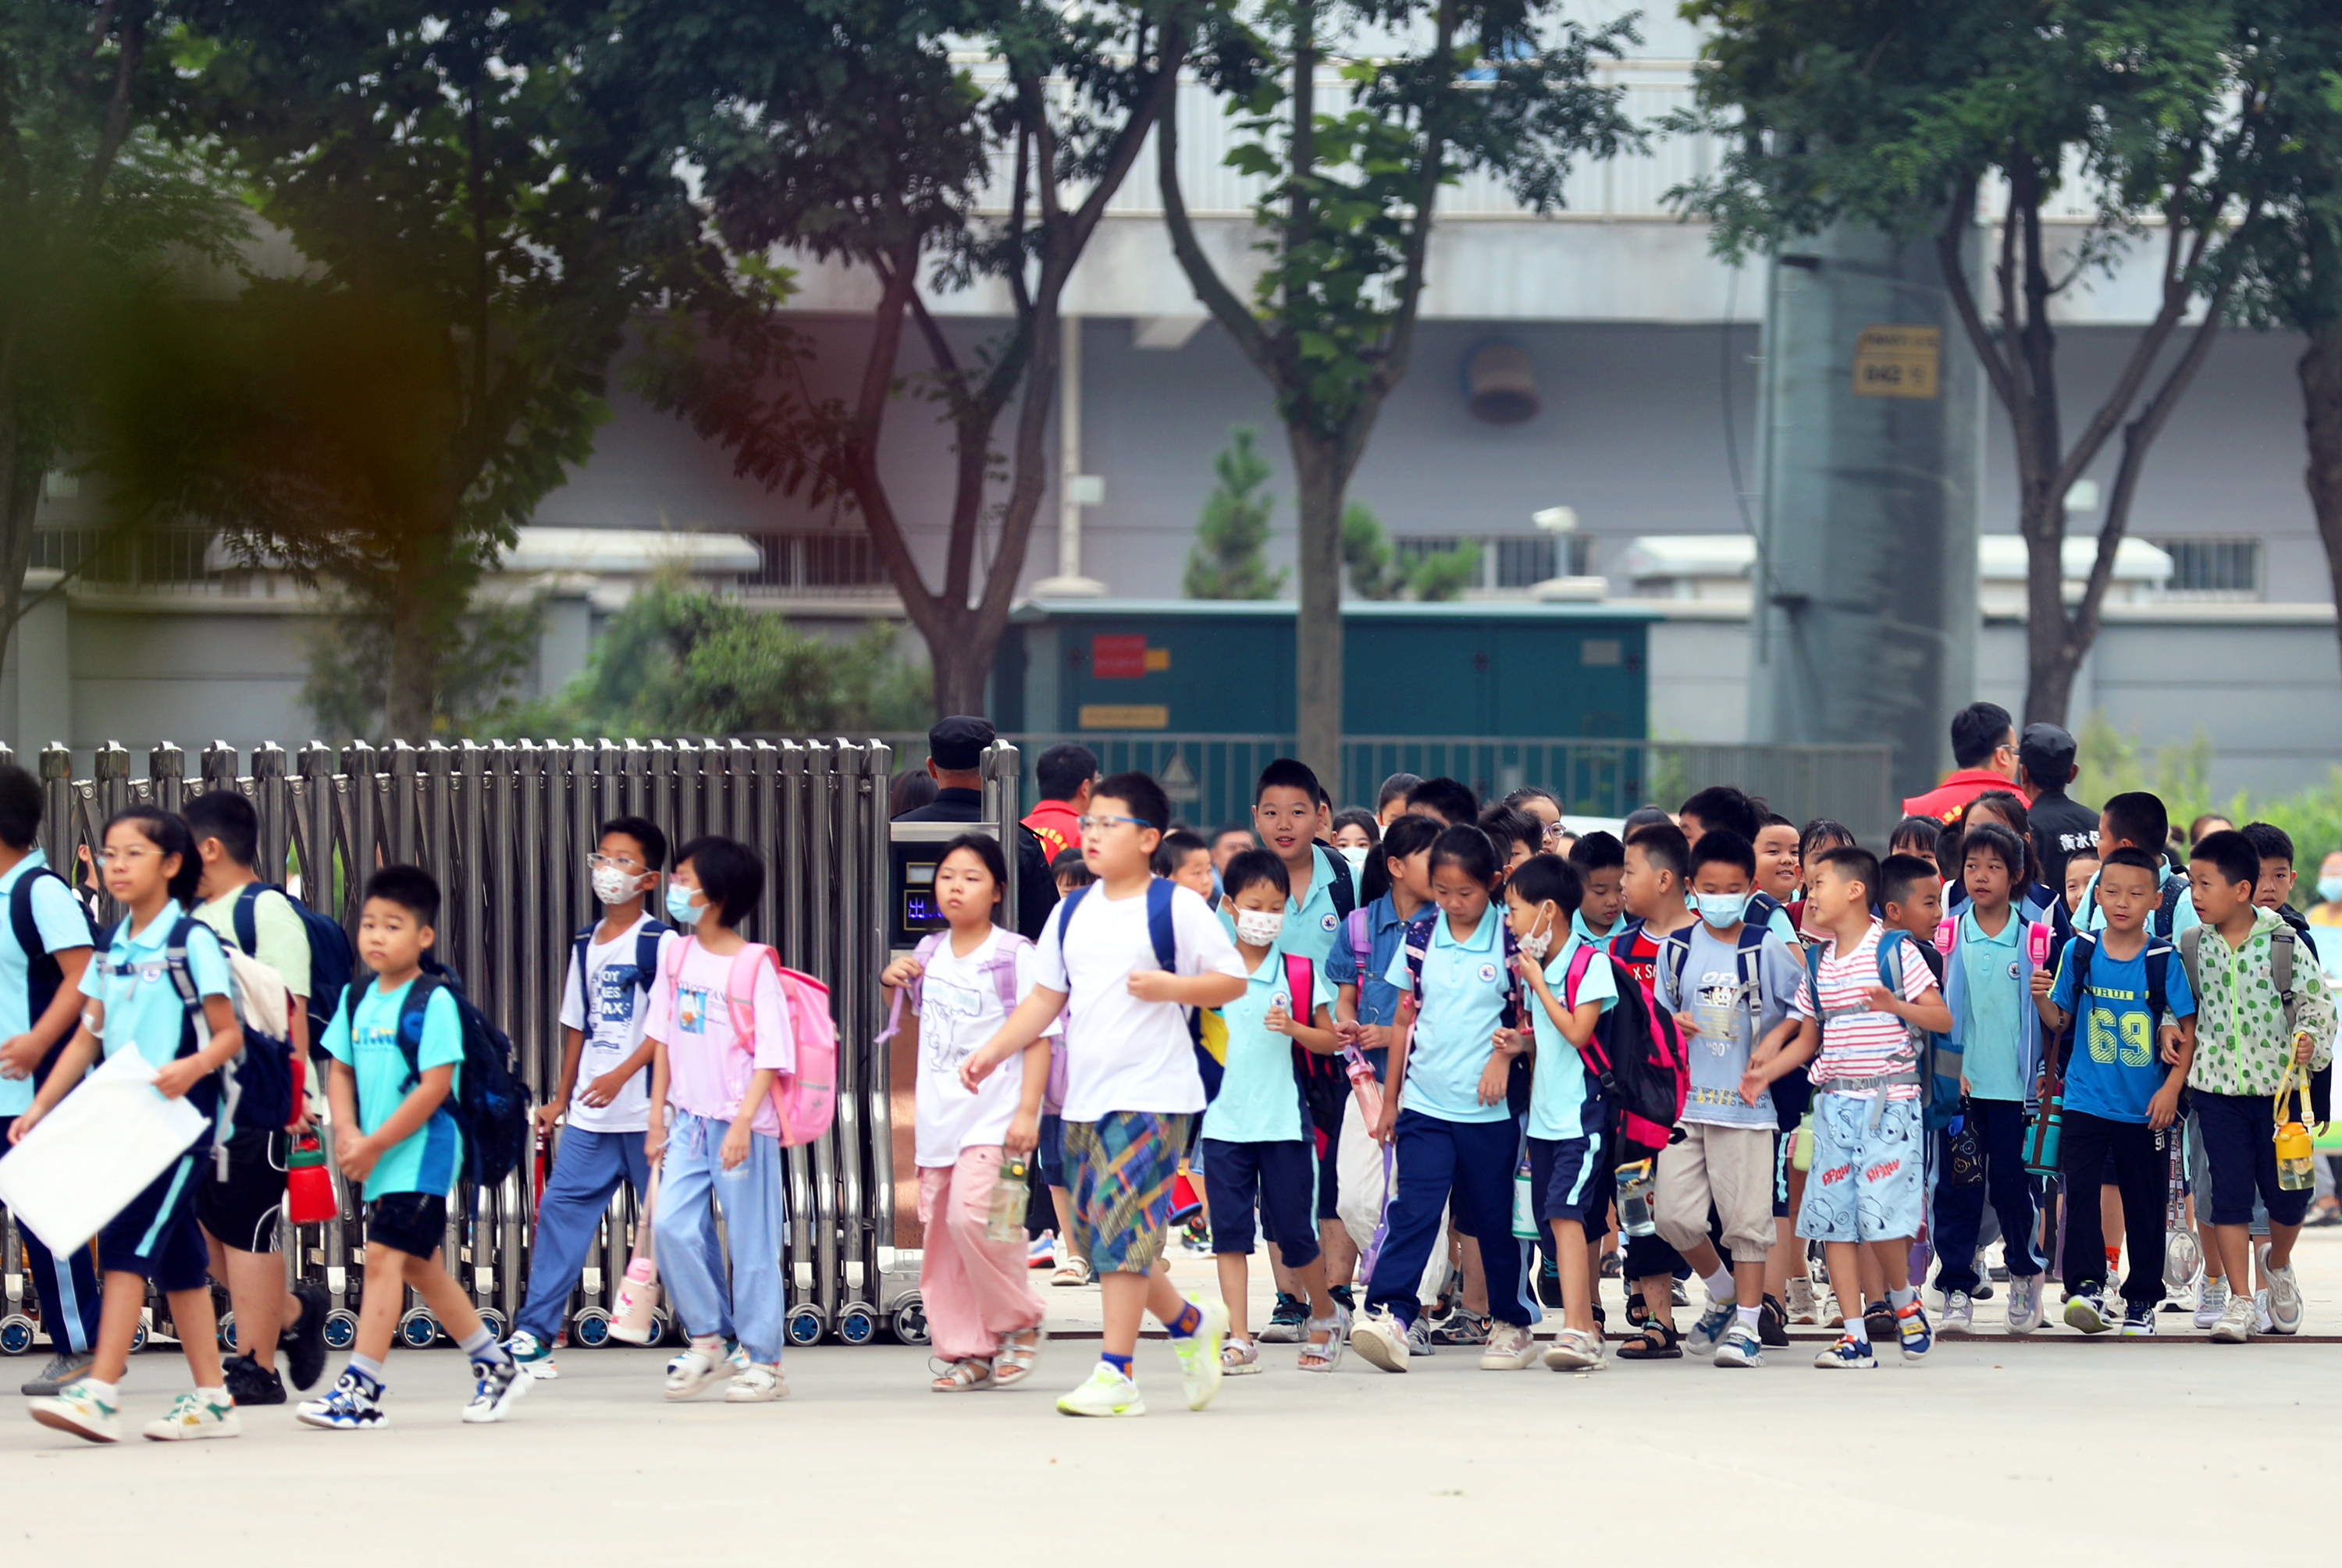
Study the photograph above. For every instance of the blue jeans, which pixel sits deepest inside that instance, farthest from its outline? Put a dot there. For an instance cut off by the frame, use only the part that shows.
(1474, 1163)
(1999, 1126)
(586, 1169)
(755, 1305)
(67, 1286)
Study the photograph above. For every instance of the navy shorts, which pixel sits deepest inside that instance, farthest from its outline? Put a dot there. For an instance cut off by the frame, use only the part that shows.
(2239, 1140)
(1052, 1150)
(1569, 1181)
(158, 1236)
(1280, 1177)
(415, 1224)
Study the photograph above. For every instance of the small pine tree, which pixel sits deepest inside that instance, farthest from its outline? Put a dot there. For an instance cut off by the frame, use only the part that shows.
(1226, 561)
(1367, 555)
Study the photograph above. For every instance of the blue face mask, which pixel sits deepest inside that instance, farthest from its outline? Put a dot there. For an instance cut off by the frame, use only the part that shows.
(1721, 909)
(2329, 888)
(680, 907)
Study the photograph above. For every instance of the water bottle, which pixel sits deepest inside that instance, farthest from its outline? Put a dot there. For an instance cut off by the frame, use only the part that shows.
(2036, 945)
(1801, 1144)
(1010, 1193)
(1635, 1183)
(1525, 1220)
(1945, 930)
(2295, 1168)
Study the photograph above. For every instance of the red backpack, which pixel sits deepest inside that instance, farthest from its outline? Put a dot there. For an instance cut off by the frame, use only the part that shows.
(1635, 1051)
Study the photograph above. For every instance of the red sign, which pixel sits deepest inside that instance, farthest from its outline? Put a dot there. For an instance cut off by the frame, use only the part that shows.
(1118, 657)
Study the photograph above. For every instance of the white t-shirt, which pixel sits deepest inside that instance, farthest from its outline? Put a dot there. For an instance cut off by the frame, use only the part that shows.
(620, 1010)
(1122, 1053)
(959, 1010)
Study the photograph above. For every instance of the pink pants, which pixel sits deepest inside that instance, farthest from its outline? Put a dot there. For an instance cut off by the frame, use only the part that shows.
(976, 1290)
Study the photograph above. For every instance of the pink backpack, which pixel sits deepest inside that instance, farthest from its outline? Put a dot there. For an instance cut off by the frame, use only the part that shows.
(806, 1101)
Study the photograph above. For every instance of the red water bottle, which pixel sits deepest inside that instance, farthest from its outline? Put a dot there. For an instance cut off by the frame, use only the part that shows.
(309, 1186)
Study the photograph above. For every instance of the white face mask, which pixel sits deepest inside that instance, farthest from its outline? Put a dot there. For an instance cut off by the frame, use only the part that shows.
(1258, 927)
(612, 885)
(1537, 944)
(1356, 853)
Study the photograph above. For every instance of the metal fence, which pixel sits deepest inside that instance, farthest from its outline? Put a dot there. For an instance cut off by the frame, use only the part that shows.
(506, 829)
(1209, 777)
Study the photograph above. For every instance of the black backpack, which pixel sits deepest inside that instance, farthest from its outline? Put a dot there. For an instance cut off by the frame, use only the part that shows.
(331, 958)
(491, 1104)
(43, 975)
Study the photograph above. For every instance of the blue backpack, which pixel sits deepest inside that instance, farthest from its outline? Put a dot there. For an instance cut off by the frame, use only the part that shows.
(491, 1104)
(644, 970)
(331, 958)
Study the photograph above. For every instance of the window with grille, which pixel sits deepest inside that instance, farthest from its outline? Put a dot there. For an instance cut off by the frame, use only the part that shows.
(2228, 568)
(1508, 560)
(833, 562)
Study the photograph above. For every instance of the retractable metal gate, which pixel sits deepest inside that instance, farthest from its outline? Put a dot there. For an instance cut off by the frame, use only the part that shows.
(505, 829)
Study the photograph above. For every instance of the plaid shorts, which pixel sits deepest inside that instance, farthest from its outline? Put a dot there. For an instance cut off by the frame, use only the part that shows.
(1119, 1170)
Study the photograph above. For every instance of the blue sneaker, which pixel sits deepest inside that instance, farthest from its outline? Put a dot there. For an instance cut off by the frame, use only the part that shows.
(1709, 1331)
(532, 1355)
(1848, 1355)
(1911, 1328)
(353, 1405)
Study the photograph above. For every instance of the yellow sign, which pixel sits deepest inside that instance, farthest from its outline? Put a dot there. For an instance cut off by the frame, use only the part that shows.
(1125, 716)
(1899, 362)
(1157, 659)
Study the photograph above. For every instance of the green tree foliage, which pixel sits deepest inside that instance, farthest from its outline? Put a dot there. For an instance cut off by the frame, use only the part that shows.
(2112, 762)
(347, 688)
(1443, 574)
(1227, 562)
(678, 660)
(1901, 116)
(1367, 556)
(1430, 90)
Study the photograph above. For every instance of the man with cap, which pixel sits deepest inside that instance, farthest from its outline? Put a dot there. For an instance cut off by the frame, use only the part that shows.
(2045, 766)
(955, 754)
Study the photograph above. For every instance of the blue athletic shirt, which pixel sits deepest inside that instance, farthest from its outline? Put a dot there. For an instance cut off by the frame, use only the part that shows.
(1562, 1084)
(58, 916)
(1465, 985)
(363, 1035)
(2116, 1065)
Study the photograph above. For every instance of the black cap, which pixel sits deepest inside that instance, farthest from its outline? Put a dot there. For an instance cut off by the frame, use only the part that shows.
(957, 743)
(2047, 754)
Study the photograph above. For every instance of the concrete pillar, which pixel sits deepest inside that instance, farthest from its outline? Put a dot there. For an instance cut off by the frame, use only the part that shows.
(565, 640)
(39, 688)
(1872, 443)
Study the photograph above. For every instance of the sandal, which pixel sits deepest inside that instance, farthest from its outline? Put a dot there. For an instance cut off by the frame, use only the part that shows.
(1239, 1358)
(1657, 1341)
(1012, 1363)
(1613, 1266)
(960, 1376)
(1637, 1314)
(1316, 1357)
(1074, 1270)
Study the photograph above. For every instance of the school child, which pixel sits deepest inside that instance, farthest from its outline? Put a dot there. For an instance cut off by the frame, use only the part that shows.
(723, 1141)
(2139, 819)
(985, 1318)
(1568, 1122)
(2265, 1016)
(1355, 834)
(1599, 861)
(1257, 1139)
(162, 989)
(1777, 859)
(1721, 805)
(1866, 1191)
(1444, 800)
(1915, 835)
(605, 1079)
(1911, 898)
(1658, 869)
(1390, 800)
(1987, 979)
(393, 1132)
(242, 1198)
(2126, 1057)
(1788, 1278)
(1515, 833)
(40, 1004)
(1186, 859)
(1728, 984)
(2081, 870)
(1120, 961)
(1069, 871)
(1446, 1109)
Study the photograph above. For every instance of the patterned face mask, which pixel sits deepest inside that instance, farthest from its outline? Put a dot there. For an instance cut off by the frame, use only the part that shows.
(1537, 944)
(1258, 927)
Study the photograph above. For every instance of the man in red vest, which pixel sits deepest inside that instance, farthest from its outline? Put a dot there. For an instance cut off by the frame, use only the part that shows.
(1064, 774)
(1983, 747)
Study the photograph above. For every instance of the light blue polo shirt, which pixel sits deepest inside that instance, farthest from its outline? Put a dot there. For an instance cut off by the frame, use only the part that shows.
(1561, 1085)
(1259, 1100)
(1465, 985)
(143, 1008)
(58, 916)
(1311, 924)
(1585, 933)
(364, 1034)
(1992, 1033)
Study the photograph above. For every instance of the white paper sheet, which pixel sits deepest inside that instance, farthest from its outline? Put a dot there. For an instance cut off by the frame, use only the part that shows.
(83, 1163)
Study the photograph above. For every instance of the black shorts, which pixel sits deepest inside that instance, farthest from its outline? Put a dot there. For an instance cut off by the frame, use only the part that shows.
(1278, 1177)
(415, 1224)
(242, 1208)
(156, 1237)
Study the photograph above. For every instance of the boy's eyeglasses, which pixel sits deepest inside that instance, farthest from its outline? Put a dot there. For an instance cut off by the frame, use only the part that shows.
(613, 863)
(1096, 824)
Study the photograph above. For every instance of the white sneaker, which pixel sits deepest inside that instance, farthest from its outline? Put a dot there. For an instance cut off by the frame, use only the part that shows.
(534, 1357)
(1199, 1352)
(193, 1416)
(1740, 1347)
(76, 1408)
(758, 1382)
(2211, 1301)
(2025, 1308)
(2262, 1322)
(1959, 1313)
(2285, 1303)
(700, 1364)
(1107, 1392)
(1418, 1338)
(1803, 1307)
(1380, 1339)
(1575, 1350)
(1511, 1348)
(1709, 1331)
(2235, 1323)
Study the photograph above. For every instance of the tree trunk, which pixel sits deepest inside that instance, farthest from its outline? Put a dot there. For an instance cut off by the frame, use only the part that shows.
(2321, 409)
(1317, 624)
(961, 659)
(411, 684)
(20, 472)
(2050, 656)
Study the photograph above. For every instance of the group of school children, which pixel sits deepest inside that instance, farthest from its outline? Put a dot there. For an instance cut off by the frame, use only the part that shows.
(1464, 1063)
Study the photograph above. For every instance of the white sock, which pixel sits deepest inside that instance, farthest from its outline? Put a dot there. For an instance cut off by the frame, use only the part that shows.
(104, 1392)
(1747, 1316)
(213, 1395)
(1719, 1285)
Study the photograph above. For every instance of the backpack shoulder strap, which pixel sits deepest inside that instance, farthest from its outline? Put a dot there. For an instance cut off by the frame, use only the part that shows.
(1340, 889)
(1579, 963)
(740, 989)
(646, 952)
(1360, 939)
(2281, 950)
(580, 946)
(2190, 943)
(1301, 981)
(1159, 928)
(1066, 912)
(175, 961)
(1003, 967)
(1674, 957)
(2159, 980)
(21, 921)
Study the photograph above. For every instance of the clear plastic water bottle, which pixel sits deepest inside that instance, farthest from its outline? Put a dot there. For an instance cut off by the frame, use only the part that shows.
(1525, 1220)
(1005, 1220)
(1634, 1183)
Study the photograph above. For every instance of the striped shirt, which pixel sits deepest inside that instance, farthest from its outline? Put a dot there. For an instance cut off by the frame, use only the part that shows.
(1864, 1045)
